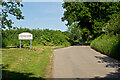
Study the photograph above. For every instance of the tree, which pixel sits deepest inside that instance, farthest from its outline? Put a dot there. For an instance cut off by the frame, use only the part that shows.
(81, 35)
(74, 31)
(90, 16)
(113, 26)
(10, 8)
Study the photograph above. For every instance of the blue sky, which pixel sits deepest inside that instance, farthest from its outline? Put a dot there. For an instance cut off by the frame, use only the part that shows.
(42, 0)
(42, 15)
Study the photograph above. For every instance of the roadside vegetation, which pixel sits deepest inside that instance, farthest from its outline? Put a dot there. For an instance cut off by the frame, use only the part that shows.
(27, 64)
(109, 42)
(40, 37)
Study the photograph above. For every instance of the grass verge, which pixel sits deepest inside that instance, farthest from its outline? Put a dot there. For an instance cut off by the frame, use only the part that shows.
(27, 64)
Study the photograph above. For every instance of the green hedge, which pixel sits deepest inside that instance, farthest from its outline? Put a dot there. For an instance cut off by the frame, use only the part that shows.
(40, 37)
(107, 44)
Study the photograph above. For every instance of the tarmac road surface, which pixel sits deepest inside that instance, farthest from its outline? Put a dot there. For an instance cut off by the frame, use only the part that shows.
(83, 62)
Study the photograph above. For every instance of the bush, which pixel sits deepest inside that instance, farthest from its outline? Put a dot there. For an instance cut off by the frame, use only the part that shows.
(107, 44)
(40, 37)
(113, 25)
(4, 44)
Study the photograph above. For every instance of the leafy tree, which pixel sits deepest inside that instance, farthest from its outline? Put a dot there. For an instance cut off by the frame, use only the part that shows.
(90, 16)
(81, 35)
(75, 32)
(10, 8)
(113, 26)
(67, 35)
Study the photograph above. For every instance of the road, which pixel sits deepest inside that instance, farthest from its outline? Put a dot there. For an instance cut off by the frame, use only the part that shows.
(83, 62)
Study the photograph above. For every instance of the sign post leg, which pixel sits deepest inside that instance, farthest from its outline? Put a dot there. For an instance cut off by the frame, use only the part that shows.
(20, 43)
(30, 44)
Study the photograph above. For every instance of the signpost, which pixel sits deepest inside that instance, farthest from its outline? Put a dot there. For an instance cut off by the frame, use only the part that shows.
(26, 36)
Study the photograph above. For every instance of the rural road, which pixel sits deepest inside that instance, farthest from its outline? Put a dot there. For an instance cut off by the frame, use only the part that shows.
(83, 62)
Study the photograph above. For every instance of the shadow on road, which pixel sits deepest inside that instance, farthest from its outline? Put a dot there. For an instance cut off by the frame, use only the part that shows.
(112, 63)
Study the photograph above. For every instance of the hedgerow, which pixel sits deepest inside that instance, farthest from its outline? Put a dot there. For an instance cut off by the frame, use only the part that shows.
(107, 44)
(40, 37)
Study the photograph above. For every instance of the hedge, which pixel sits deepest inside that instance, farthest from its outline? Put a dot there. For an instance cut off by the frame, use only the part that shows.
(107, 44)
(44, 37)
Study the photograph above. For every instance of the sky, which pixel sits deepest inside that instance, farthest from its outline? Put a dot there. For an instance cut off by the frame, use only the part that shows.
(42, 0)
(42, 15)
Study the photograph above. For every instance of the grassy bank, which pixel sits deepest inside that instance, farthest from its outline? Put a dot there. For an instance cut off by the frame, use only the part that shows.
(26, 63)
(108, 44)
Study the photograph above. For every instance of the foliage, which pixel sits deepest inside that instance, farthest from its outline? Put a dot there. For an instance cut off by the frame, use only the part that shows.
(108, 44)
(74, 32)
(40, 37)
(67, 35)
(90, 16)
(113, 26)
(10, 8)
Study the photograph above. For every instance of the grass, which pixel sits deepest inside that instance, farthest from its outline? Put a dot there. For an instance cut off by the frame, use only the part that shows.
(26, 63)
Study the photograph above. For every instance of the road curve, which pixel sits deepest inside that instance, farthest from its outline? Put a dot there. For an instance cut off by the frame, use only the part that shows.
(83, 62)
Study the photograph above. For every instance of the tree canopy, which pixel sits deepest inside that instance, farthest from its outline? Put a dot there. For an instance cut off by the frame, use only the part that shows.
(113, 26)
(90, 15)
(10, 8)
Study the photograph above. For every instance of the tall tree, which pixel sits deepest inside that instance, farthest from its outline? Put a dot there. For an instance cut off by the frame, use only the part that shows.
(113, 26)
(10, 8)
(90, 15)
(74, 31)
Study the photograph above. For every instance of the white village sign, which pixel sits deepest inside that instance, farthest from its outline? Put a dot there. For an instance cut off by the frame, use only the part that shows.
(26, 36)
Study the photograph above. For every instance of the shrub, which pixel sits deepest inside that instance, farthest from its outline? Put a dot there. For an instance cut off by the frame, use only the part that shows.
(40, 37)
(4, 44)
(107, 44)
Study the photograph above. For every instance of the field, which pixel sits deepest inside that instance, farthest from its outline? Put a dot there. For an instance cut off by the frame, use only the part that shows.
(27, 64)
